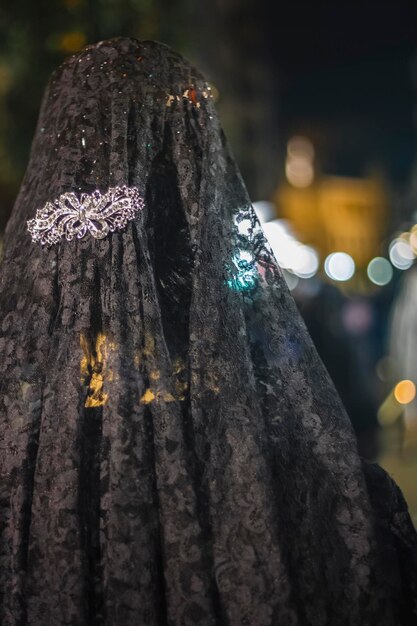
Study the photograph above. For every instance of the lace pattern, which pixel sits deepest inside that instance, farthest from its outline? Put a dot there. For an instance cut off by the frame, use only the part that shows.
(172, 450)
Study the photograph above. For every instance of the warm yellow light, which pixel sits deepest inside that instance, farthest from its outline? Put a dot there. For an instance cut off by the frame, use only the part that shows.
(405, 236)
(94, 369)
(147, 397)
(413, 240)
(299, 168)
(390, 411)
(72, 42)
(300, 147)
(299, 172)
(405, 391)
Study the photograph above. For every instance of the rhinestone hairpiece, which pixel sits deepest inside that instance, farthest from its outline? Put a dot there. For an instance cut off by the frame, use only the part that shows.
(98, 214)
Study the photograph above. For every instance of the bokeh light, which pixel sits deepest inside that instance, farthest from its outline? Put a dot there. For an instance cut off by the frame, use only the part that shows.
(405, 391)
(306, 261)
(390, 411)
(401, 254)
(300, 147)
(292, 255)
(413, 239)
(264, 210)
(339, 266)
(299, 173)
(291, 279)
(299, 168)
(357, 316)
(72, 41)
(380, 271)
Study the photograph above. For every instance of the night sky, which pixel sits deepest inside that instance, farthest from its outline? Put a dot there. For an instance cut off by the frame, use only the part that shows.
(345, 71)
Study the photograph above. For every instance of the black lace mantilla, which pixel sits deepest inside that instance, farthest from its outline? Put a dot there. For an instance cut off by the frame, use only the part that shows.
(172, 449)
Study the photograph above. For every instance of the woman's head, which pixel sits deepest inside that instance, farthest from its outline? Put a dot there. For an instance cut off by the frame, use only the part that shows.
(102, 120)
(137, 118)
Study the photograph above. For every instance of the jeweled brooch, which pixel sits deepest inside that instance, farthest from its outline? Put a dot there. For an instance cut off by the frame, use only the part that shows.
(96, 214)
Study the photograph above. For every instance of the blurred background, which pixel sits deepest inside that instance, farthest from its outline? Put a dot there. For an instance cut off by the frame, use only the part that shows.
(319, 102)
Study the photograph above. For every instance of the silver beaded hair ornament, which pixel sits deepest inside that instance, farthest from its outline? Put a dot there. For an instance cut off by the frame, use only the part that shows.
(96, 214)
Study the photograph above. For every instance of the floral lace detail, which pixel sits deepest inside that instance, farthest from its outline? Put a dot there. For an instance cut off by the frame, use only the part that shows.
(98, 214)
(172, 450)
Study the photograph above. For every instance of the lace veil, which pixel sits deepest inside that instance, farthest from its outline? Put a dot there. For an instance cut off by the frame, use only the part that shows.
(172, 449)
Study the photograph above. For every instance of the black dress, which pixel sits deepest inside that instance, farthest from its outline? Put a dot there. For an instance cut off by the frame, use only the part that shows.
(172, 449)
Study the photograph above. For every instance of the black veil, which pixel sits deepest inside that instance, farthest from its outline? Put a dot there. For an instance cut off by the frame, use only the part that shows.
(172, 449)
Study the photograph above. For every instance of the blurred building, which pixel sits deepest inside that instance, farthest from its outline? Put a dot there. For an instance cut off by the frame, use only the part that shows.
(335, 213)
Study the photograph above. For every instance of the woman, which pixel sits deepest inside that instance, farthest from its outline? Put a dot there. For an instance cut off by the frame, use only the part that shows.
(173, 451)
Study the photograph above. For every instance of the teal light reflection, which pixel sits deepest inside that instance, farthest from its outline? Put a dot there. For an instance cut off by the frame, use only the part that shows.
(246, 276)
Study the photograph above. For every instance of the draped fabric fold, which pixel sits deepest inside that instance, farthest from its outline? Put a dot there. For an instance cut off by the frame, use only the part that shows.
(172, 449)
